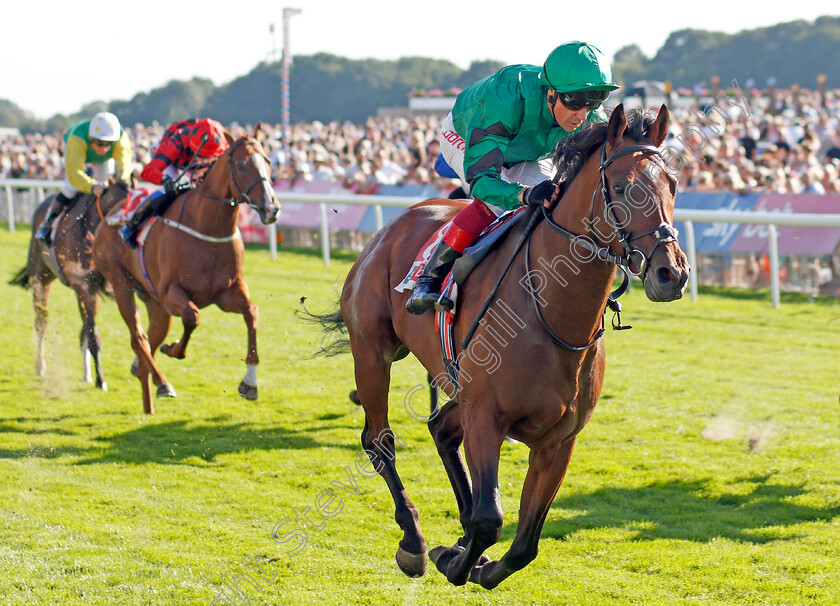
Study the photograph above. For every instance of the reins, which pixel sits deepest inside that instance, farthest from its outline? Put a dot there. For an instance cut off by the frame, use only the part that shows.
(664, 233)
(604, 253)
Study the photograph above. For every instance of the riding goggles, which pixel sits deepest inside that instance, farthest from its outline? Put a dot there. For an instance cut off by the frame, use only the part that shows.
(577, 100)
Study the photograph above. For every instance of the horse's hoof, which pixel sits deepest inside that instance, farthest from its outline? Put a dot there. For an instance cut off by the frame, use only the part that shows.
(169, 350)
(412, 564)
(249, 392)
(441, 556)
(166, 391)
(103, 386)
(354, 397)
(135, 366)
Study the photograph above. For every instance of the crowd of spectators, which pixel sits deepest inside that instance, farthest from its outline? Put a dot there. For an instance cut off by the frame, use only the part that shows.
(789, 143)
(750, 143)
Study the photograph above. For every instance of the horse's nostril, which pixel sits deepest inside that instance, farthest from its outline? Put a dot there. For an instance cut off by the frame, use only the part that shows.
(665, 275)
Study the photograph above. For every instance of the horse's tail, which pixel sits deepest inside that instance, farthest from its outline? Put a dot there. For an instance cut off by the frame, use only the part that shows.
(21, 279)
(334, 340)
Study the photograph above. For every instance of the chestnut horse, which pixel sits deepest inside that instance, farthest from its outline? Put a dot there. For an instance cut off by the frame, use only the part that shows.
(191, 257)
(70, 259)
(536, 375)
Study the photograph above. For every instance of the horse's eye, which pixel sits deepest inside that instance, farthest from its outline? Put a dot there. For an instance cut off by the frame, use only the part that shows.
(619, 188)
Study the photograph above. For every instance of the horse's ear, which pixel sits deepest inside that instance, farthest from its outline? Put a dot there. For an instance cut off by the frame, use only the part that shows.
(259, 133)
(229, 138)
(616, 126)
(657, 131)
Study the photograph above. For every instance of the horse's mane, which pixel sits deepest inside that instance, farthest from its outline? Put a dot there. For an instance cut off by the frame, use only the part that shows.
(572, 151)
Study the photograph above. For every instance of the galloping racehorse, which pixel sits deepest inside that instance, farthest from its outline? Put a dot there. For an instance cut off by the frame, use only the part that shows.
(71, 260)
(538, 374)
(191, 257)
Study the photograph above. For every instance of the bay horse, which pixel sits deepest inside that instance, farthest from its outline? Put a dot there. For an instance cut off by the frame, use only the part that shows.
(537, 375)
(70, 259)
(191, 257)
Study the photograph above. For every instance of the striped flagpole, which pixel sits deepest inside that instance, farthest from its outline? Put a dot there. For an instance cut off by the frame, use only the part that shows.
(288, 13)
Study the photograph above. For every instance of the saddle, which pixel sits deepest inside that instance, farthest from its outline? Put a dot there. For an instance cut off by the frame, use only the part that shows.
(472, 256)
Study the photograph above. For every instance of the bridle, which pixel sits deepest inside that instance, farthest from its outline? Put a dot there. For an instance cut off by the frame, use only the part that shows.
(663, 233)
(243, 197)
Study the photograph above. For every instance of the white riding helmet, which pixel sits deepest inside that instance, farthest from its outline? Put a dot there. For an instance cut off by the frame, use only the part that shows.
(104, 126)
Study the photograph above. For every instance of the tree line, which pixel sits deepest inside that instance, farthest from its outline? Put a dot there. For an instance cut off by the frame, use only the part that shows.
(327, 87)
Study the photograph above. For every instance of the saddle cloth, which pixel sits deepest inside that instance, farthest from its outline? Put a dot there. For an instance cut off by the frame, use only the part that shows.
(132, 201)
(491, 236)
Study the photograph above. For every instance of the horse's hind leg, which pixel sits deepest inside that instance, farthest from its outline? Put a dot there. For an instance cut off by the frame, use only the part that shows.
(236, 300)
(91, 342)
(446, 430)
(40, 298)
(372, 368)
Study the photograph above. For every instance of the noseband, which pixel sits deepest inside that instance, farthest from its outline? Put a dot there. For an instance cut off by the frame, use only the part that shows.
(663, 234)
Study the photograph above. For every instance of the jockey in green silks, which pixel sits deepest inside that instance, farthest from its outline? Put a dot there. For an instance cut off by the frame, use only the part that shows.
(499, 139)
(99, 145)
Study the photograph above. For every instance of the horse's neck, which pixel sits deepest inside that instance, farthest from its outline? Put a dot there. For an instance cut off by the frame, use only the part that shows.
(109, 202)
(575, 286)
(213, 213)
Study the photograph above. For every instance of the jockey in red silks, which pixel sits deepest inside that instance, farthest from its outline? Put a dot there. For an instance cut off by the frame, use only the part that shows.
(185, 151)
(499, 138)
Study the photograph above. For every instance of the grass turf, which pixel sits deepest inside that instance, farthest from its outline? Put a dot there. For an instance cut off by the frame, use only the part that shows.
(708, 475)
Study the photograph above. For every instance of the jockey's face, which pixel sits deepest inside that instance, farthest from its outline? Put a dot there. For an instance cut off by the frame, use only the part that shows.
(568, 119)
(101, 147)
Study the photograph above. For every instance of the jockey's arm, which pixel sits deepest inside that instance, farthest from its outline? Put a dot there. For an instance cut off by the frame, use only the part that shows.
(165, 155)
(74, 165)
(483, 162)
(121, 153)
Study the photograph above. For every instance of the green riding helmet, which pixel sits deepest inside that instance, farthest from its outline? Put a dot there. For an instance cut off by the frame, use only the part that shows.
(576, 66)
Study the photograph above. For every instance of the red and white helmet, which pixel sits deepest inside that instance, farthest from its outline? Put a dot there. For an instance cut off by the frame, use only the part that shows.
(207, 139)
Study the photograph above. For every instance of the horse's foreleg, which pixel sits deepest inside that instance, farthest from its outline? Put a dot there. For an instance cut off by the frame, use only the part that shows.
(40, 297)
(482, 443)
(159, 323)
(143, 376)
(124, 295)
(546, 470)
(446, 430)
(177, 302)
(236, 300)
(378, 440)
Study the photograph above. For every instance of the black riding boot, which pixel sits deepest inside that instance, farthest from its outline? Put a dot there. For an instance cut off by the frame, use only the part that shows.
(56, 206)
(152, 205)
(427, 289)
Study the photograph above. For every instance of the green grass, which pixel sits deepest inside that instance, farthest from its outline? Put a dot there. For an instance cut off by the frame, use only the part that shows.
(709, 473)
